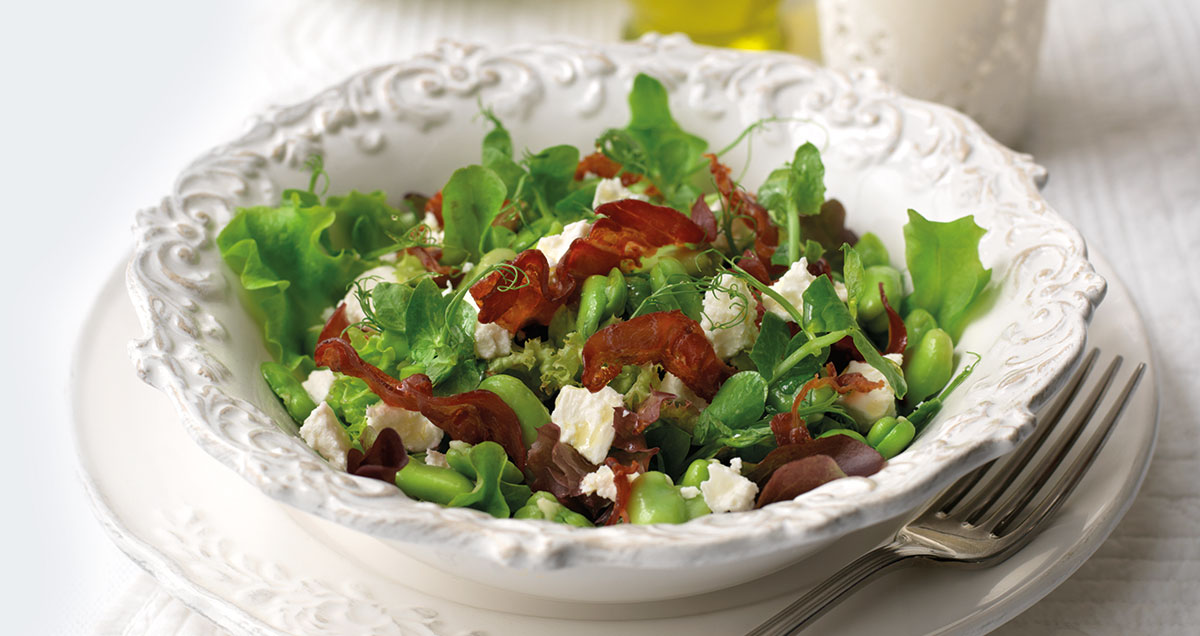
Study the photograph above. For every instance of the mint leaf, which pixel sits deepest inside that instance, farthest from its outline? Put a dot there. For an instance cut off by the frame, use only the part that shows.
(947, 275)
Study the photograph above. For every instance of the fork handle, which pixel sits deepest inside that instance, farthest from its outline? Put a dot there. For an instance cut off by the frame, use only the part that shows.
(808, 608)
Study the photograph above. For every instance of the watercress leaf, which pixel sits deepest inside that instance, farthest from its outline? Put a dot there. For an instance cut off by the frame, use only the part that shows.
(389, 301)
(947, 274)
(425, 319)
(667, 154)
(771, 345)
(497, 140)
(806, 187)
(288, 275)
(852, 274)
(576, 206)
(813, 251)
(823, 310)
(773, 194)
(470, 200)
(552, 171)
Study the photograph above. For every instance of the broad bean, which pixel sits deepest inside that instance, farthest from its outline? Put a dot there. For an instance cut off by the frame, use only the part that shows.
(890, 435)
(492, 257)
(928, 368)
(654, 499)
(543, 505)
(872, 251)
(870, 306)
(529, 409)
(285, 385)
(616, 293)
(918, 323)
(432, 483)
(593, 300)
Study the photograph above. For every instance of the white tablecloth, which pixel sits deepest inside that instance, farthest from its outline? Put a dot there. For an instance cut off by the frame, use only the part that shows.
(106, 101)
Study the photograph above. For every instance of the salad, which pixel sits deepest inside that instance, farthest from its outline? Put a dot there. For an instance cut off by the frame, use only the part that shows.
(626, 336)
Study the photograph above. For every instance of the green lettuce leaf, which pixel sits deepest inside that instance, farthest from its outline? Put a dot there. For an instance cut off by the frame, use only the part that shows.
(948, 277)
(366, 223)
(288, 275)
(470, 201)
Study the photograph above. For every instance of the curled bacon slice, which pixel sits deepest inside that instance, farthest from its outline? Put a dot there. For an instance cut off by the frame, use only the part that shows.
(744, 206)
(789, 429)
(627, 231)
(704, 217)
(602, 166)
(336, 325)
(621, 479)
(843, 383)
(473, 417)
(668, 338)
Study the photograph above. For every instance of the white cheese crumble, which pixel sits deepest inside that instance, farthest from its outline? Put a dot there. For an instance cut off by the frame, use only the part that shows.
(609, 190)
(726, 490)
(368, 280)
(318, 383)
(436, 235)
(586, 419)
(555, 246)
(867, 407)
(417, 432)
(436, 458)
(672, 384)
(689, 492)
(721, 308)
(602, 483)
(491, 340)
(791, 286)
(324, 433)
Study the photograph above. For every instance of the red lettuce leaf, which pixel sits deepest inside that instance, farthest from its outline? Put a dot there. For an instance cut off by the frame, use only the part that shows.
(382, 461)
(557, 468)
(798, 477)
(852, 456)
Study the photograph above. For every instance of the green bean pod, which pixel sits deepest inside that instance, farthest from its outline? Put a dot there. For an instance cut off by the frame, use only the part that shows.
(654, 499)
(872, 251)
(928, 368)
(285, 385)
(593, 301)
(432, 483)
(870, 306)
(529, 409)
(890, 435)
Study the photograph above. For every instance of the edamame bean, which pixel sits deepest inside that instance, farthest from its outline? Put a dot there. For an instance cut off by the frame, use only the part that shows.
(654, 499)
(917, 324)
(844, 431)
(872, 250)
(928, 368)
(592, 303)
(818, 395)
(696, 507)
(529, 409)
(870, 306)
(432, 483)
(285, 385)
(890, 435)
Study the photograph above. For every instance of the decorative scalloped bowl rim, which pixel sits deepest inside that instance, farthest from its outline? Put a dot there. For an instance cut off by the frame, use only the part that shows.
(184, 301)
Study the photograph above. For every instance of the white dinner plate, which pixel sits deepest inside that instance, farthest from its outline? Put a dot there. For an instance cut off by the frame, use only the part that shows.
(256, 566)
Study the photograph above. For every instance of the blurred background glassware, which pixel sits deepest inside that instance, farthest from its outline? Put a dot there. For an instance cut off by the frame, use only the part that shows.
(978, 57)
(742, 24)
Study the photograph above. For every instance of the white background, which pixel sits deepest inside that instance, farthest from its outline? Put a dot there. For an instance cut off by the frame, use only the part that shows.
(103, 102)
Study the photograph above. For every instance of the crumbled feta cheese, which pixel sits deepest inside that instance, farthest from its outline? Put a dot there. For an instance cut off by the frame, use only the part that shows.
(555, 245)
(436, 235)
(417, 432)
(791, 286)
(843, 294)
(898, 358)
(390, 257)
(609, 190)
(367, 280)
(600, 483)
(586, 419)
(435, 458)
(548, 508)
(721, 309)
(868, 407)
(324, 433)
(491, 340)
(726, 490)
(689, 492)
(318, 383)
(672, 384)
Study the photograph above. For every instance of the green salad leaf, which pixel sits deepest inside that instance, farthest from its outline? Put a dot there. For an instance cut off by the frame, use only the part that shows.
(471, 199)
(287, 272)
(365, 223)
(948, 277)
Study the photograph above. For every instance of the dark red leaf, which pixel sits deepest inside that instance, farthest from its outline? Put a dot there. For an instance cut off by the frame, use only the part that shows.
(668, 338)
(473, 417)
(382, 461)
(745, 208)
(897, 332)
(754, 266)
(798, 477)
(828, 227)
(789, 429)
(852, 456)
(557, 468)
(820, 267)
(704, 217)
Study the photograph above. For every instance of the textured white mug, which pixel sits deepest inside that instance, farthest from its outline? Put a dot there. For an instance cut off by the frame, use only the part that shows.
(977, 56)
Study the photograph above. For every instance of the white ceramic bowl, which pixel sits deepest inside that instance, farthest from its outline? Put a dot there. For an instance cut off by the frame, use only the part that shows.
(406, 127)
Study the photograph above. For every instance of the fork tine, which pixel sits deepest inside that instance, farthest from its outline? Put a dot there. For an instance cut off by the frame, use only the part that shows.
(1019, 495)
(1017, 462)
(1061, 490)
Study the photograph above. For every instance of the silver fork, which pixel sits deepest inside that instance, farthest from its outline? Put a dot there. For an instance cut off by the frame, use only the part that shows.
(988, 515)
